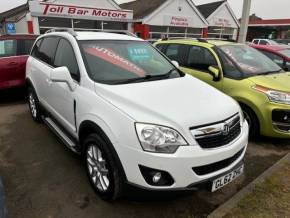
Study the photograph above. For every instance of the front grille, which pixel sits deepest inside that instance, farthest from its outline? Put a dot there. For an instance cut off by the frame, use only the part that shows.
(219, 134)
(206, 169)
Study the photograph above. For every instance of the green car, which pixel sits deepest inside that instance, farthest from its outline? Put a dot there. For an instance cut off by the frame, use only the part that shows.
(260, 86)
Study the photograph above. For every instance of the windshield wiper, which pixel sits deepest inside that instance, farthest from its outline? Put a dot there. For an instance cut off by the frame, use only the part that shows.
(271, 72)
(145, 78)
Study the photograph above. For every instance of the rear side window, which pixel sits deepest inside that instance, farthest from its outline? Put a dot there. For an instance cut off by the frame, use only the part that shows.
(24, 46)
(200, 58)
(256, 41)
(176, 52)
(263, 42)
(8, 48)
(161, 47)
(47, 50)
(65, 57)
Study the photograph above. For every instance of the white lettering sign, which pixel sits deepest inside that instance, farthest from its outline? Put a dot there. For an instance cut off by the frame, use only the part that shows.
(178, 21)
(54, 10)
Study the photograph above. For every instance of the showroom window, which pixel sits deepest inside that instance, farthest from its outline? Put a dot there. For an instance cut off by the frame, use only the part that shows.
(109, 25)
(221, 32)
(87, 24)
(46, 23)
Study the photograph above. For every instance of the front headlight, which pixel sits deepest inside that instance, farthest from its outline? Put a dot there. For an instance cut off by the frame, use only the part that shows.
(274, 95)
(159, 139)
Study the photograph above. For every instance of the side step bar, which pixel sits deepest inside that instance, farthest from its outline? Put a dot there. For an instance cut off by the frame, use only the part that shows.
(65, 139)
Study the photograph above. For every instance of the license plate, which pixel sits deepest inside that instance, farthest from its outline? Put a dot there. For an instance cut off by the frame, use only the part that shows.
(226, 179)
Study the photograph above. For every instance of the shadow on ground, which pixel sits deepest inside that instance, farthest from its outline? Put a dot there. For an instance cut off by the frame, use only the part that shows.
(12, 96)
(44, 179)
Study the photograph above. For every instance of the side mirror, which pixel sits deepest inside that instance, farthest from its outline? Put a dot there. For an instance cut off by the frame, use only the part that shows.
(175, 63)
(215, 72)
(62, 75)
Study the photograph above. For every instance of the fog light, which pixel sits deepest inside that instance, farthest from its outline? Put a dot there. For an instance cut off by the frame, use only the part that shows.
(286, 118)
(156, 178)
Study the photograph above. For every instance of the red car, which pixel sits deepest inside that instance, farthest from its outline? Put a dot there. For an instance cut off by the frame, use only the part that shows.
(14, 51)
(280, 54)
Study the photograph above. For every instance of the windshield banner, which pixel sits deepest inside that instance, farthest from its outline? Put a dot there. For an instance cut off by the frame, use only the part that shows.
(113, 58)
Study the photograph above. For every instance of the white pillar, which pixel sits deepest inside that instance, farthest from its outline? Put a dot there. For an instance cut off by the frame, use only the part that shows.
(245, 21)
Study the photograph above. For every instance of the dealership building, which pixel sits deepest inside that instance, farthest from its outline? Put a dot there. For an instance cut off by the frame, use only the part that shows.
(157, 19)
(269, 28)
(149, 19)
(222, 22)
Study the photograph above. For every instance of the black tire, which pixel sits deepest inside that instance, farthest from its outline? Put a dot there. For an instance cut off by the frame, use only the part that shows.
(34, 107)
(114, 176)
(252, 120)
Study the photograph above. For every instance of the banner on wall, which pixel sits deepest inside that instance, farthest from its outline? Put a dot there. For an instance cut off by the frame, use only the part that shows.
(178, 21)
(77, 12)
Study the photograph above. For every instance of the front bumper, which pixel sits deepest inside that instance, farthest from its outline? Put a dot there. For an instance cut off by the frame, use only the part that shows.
(180, 165)
(268, 122)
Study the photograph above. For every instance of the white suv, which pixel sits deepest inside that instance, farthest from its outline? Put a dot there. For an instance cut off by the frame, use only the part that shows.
(134, 117)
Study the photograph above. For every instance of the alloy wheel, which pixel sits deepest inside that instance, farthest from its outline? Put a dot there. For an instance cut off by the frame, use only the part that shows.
(97, 167)
(32, 105)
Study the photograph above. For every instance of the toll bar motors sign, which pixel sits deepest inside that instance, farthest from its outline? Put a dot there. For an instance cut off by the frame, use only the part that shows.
(54, 10)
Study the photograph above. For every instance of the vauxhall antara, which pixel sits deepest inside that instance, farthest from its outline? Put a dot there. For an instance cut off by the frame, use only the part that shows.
(133, 115)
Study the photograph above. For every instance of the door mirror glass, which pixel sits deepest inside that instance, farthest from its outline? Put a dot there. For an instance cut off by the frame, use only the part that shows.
(175, 63)
(215, 72)
(62, 75)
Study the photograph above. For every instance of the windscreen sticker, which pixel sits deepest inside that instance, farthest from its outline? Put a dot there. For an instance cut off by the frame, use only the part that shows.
(139, 53)
(113, 58)
(249, 68)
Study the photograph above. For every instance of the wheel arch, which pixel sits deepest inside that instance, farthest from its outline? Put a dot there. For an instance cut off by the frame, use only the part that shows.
(252, 107)
(88, 127)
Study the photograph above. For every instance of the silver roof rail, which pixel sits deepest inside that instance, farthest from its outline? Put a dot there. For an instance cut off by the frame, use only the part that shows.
(68, 30)
(124, 32)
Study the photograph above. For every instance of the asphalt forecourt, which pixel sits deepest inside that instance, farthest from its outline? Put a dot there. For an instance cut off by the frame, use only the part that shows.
(266, 196)
(42, 178)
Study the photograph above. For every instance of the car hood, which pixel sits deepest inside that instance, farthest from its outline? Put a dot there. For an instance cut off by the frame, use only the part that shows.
(280, 82)
(183, 102)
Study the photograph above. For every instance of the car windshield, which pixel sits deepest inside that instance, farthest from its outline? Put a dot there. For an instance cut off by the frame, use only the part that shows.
(119, 62)
(272, 42)
(285, 52)
(250, 61)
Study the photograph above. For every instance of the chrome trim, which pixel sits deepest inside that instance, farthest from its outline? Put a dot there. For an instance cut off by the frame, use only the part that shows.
(281, 124)
(222, 128)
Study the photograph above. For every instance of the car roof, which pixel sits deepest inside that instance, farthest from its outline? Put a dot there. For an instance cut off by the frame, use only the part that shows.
(86, 35)
(207, 43)
(105, 36)
(19, 36)
(273, 48)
